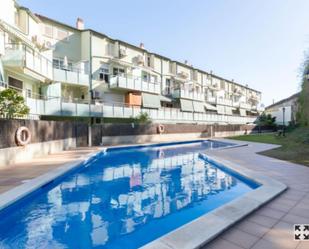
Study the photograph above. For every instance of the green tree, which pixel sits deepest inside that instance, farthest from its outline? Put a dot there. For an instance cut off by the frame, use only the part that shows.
(303, 101)
(12, 104)
(142, 118)
(266, 120)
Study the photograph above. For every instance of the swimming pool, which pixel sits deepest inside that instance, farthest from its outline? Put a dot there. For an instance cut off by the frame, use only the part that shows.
(123, 198)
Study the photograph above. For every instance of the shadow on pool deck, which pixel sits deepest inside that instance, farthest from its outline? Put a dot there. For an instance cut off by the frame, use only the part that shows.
(272, 226)
(16, 174)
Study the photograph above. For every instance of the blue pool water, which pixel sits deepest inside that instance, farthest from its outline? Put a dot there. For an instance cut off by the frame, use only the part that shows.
(123, 198)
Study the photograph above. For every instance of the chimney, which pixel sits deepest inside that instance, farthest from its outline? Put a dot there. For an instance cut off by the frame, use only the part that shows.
(80, 24)
(141, 45)
(186, 62)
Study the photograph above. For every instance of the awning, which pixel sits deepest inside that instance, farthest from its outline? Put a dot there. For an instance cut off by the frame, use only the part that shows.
(221, 109)
(14, 31)
(165, 99)
(151, 100)
(186, 105)
(228, 110)
(243, 112)
(210, 107)
(198, 106)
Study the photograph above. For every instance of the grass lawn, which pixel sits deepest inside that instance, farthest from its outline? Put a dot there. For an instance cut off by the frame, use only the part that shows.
(294, 147)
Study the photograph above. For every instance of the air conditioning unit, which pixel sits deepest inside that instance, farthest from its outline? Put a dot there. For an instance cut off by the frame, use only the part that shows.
(183, 75)
(37, 41)
(122, 53)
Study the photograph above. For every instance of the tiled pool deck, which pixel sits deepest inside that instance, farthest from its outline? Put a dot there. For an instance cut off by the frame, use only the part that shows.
(272, 226)
(269, 227)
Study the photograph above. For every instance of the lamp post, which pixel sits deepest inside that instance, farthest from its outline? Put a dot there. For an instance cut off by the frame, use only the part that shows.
(283, 121)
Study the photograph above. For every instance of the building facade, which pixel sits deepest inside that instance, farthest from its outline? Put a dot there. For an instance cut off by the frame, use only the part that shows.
(73, 71)
(284, 110)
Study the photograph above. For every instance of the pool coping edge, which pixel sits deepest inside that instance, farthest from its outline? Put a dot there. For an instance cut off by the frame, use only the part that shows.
(194, 235)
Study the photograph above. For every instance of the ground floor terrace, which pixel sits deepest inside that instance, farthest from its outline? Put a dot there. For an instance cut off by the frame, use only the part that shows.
(271, 226)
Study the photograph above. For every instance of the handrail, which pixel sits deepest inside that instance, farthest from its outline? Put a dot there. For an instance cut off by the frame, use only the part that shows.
(20, 46)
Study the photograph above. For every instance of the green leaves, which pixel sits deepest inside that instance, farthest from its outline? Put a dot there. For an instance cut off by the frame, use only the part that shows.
(266, 120)
(142, 118)
(12, 104)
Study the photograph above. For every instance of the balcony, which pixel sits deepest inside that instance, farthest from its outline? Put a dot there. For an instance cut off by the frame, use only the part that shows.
(226, 102)
(245, 106)
(134, 83)
(28, 61)
(71, 76)
(185, 94)
(59, 107)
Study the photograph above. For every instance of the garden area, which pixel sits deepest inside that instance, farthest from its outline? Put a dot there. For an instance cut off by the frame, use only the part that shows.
(294, 145)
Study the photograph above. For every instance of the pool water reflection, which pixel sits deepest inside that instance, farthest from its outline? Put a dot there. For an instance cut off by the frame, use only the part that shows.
(124, 199)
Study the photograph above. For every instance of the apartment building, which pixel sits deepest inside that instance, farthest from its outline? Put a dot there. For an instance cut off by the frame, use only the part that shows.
(73, 71)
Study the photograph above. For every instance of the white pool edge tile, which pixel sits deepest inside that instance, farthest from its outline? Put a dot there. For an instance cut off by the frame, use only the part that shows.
(193, 234)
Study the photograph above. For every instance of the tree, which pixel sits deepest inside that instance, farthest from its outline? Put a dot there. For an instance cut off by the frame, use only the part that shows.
(12, 104)
(142, 118)
(303, 101)
(266, 120)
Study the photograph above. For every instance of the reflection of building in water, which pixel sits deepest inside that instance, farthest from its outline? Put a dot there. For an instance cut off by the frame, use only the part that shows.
(132, 192)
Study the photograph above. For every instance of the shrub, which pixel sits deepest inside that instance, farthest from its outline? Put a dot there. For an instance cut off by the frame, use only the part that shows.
(142, 118)
(12, 104)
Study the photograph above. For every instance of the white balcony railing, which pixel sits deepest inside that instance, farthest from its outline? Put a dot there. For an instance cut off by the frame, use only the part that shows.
(185, 94)
(18, 55)
(134, 83)
(59, 107)
(71, 76)
(245, 106)
(227, 102)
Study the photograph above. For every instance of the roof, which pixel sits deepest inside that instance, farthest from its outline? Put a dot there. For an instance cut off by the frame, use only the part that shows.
(296, 95)
(141, 49)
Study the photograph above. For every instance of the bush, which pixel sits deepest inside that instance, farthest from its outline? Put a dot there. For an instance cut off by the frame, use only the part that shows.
(266, 120)
(142, 118)
(12, 104)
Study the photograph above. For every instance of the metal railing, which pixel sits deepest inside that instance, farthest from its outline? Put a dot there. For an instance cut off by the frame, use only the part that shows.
(132, 82)
(58, 106)
(187, 94)
(23, 56)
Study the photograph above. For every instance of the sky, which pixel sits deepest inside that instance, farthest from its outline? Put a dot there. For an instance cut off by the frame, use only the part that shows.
(259, 43)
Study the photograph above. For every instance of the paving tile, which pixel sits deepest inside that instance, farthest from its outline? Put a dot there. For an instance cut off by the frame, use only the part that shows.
(280, 207)
(295, 219)
(271, 212)
(264, 244)
(303, 245)
(252, 228)
(240, 238)
(300, 210)
(263, 220)
(221, 244)
(283, 234)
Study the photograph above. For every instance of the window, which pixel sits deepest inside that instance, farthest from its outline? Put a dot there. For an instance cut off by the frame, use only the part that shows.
(104, 73)
(168, 86)
(29, 92)
(59, 64)
(16, 16)
(48, 30)
(118, 71)
(62, 34)
(148, 61)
